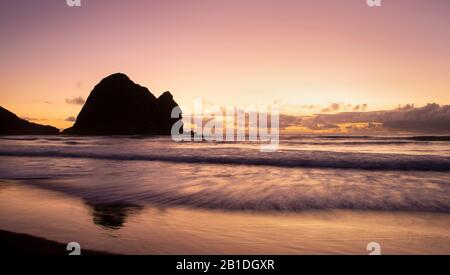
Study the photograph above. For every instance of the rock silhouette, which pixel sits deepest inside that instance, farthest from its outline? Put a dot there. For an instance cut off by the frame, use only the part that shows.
(118, 106)
(10, 124)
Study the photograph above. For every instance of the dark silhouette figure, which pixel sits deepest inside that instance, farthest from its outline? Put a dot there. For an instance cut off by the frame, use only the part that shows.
(10, 124)
(118, 106)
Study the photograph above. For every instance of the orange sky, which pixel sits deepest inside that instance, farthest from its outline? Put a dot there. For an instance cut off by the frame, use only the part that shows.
(252, 52)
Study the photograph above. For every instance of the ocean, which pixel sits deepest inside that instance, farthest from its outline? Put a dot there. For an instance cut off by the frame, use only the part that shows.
(316, 194)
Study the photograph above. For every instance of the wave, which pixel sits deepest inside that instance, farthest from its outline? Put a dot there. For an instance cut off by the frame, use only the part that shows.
(430, 138)
(385, 192)
(288, 159)
(375, 142)
(345, 137)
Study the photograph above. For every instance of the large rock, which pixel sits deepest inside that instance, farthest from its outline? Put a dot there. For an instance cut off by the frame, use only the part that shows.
(10, 124)
(118, 106)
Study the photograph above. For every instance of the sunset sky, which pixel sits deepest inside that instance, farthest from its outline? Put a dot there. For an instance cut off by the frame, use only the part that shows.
(296, 53)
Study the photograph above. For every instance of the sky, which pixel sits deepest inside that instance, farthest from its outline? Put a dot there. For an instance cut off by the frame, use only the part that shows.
(304, 55)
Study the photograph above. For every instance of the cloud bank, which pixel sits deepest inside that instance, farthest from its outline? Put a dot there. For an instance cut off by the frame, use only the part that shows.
(71, 119)
(432, 118)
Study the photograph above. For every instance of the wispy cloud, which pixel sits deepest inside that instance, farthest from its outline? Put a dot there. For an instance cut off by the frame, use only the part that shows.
(32, 118)
(359, 107)
(71, 119)
(334, 107)
(75, 100)
(342, 107)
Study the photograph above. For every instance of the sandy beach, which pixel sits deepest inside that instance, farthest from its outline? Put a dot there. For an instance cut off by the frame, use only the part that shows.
(162, 198)
(152, 230)
(22, 244)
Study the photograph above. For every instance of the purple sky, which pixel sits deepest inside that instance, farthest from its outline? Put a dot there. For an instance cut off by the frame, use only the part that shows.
(243, 52)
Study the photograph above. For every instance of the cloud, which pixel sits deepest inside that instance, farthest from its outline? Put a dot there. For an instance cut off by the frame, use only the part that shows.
(75, 100)
(329, 126)
(407, 107)
(71, 119)
(307, 106)
(334, 107)
(431, 118)
(32, 118)
(359, 107)
(289, 121)
(318, 123)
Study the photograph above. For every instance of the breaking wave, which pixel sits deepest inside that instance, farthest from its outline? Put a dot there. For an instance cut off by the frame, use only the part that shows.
(229, 177)
(300, 159)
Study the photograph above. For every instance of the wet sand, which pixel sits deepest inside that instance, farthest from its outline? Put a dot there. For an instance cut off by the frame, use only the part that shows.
(22, 244)
(149, 229)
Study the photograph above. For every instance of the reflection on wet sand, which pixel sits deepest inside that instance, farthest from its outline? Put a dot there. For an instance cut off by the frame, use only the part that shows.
(130, 229)
(112, 215)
